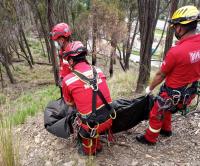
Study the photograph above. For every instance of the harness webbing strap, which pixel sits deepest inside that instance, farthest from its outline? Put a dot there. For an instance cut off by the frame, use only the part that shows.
(175, 96)
(93, 83)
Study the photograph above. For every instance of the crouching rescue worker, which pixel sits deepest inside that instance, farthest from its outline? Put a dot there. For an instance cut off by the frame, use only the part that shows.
(86, 89)
(181, 72)
(61, 35)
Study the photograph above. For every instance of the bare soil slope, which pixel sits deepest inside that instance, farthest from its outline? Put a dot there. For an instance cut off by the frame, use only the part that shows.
(38, 147)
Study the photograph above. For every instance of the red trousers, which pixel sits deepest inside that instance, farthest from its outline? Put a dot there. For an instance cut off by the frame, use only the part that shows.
(91, 145)
(160, 119)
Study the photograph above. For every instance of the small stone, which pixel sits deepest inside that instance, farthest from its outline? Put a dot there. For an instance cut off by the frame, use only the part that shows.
(37, 140)
(196, 132)
(48, 163)
(70, 163)
(134, 162)
(148, 156)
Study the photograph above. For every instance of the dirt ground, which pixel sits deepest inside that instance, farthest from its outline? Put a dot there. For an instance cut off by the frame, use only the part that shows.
(40, 148)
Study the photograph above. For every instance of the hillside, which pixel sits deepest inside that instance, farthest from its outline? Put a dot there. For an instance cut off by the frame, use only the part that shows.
(37, 147)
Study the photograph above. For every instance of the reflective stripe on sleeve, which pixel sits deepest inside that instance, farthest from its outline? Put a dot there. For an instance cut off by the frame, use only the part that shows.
(75, 78)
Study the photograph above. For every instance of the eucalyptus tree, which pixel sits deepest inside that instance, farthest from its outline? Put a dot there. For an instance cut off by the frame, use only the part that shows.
(169, 36)
(148, 16)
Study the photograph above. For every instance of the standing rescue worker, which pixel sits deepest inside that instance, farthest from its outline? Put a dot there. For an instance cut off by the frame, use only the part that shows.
(86, 89)
(61, 35)
(181, 72)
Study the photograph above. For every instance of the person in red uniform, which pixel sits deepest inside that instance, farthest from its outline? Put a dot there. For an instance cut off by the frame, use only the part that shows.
(181, 72)
(86, 89)
(61, 34)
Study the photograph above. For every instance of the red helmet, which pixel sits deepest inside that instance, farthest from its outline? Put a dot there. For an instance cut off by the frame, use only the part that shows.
(61, 29)
(74, 49)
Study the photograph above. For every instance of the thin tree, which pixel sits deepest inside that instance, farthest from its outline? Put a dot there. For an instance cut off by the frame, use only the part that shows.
(169, 35)
(94, 35)
(148, 16)
(53, 50)
(4, 62)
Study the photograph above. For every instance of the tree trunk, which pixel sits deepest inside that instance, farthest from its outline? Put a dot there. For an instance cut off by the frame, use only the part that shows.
(169, 35)
(94, 37)
(9, 73)
(27, 46)
(4, 62)
(148, 15)
(94, 47)
(40, 37)
(130, 47)
(22, 48)
(44, 31)
(113, 52)
(1, 75)
(53, 50)
(112, 59)
(163, 31)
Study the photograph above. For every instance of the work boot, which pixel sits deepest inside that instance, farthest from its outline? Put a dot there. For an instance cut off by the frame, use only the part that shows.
(165, 133)
(143, 140)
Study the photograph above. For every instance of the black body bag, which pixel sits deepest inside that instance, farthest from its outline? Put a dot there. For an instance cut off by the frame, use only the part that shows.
(131, 112)
(58, 117)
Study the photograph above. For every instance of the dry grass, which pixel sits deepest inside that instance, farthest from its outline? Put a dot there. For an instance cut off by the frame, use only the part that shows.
(9, 155)
(122, 84)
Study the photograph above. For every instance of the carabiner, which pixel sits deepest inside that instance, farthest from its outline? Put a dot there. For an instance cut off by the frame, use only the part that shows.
(176, 98)
(93, 132)
(113, 113)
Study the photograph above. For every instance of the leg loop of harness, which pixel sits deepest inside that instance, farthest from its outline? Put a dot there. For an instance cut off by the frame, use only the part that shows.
(180, 98)
(90, 143)
(93, 131)
(164, 104)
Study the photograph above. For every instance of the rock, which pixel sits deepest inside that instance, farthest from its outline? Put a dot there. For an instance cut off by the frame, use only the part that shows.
(134, 162)
(148, 156)
(196, 132)
(70, 163)
(48, 163)
(37, 140)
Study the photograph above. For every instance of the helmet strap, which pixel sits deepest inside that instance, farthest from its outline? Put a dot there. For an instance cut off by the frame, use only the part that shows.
(179, 36)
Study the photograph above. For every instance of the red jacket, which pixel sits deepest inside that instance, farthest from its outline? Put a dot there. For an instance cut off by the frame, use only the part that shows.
(182, 62)
(77, 92)
(64, 66)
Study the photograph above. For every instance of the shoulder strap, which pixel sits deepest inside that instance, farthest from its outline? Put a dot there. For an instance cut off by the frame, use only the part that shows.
(93, 83)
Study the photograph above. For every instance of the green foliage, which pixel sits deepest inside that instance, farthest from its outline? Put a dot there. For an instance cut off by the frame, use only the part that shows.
(2, 98)
(36, 47)
(30, 103)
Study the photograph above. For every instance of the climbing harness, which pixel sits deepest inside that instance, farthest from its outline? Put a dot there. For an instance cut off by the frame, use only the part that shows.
(177, 99)
(89, 126)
